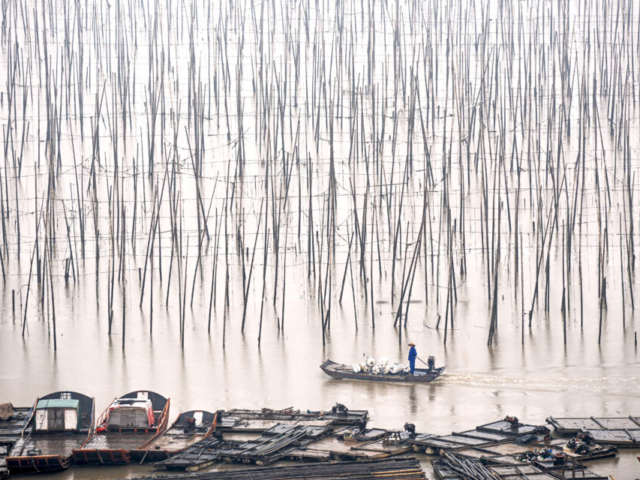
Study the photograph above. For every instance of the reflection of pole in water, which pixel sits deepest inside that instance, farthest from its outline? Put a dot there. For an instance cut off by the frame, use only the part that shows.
(372, 107)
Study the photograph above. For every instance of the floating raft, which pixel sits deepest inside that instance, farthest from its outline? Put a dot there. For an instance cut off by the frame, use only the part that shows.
(292, 442)
(341, 447)
(190, 428)
(255, 421)
(273, 445)
(514, 454)
(504, 448)
(265, 436)
(623, 432)
(571, 426)
(241, 420)
(512, 429)
(455, 467)
(402, 468)
(10, 431)
(485, 436)
(196, 457)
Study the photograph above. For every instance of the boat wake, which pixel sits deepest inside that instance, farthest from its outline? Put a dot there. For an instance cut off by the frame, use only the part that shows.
(620, 385)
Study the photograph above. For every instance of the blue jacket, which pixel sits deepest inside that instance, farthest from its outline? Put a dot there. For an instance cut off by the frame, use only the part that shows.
(413, 353)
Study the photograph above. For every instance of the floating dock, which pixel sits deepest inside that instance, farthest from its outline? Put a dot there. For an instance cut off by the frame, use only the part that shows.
(190, 428)
(623, 432)
(498, 437)
(242, 420)
(287, 442)
(496, 444)
(264, 438)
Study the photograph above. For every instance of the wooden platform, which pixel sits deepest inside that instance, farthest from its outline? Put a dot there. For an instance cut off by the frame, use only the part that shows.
(260, 420)
(392, 469)
(50, 444)
(570, 426)
(10, 431)
(623, 432)
(110, 448)
(189, 428)
(455, 467)
(484, 436)
(486, 444)
(285, 441)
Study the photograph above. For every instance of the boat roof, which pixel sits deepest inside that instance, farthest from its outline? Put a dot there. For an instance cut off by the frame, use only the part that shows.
(158, 401)
(132, 402)
(58, 403)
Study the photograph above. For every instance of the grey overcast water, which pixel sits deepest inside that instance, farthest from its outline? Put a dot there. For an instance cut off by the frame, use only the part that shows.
(167, 164)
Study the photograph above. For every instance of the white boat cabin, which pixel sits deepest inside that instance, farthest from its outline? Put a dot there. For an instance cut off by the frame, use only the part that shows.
(58, 415)
(128, 413)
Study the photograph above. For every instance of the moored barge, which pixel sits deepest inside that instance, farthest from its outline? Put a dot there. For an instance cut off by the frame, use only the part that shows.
(58, 423)
(130, 421)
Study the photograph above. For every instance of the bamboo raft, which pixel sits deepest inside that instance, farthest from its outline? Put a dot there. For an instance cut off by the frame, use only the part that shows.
(345, 372)
(456, 467)
(285, 442)
(300, 442)
(401, 468)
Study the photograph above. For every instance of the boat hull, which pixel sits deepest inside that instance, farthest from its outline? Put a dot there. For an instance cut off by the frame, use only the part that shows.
(110, 448)
(345, 372)
(53, 450)
(38, 464)
(114, 447)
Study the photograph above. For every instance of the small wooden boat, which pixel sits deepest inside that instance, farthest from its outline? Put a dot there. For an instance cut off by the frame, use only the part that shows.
(57, 424)
(341, 371)
(190, 427)
(129, 422)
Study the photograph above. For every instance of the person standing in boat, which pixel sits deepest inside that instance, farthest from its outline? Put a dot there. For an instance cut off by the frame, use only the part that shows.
(413, 354)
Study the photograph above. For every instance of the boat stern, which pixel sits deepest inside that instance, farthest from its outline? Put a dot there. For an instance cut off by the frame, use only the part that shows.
(37, 463)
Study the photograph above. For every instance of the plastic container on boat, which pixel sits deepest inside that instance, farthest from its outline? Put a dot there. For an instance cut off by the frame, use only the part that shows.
(396, 368)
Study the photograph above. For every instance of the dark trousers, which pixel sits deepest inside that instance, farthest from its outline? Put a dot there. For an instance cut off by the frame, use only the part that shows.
(412, 365)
